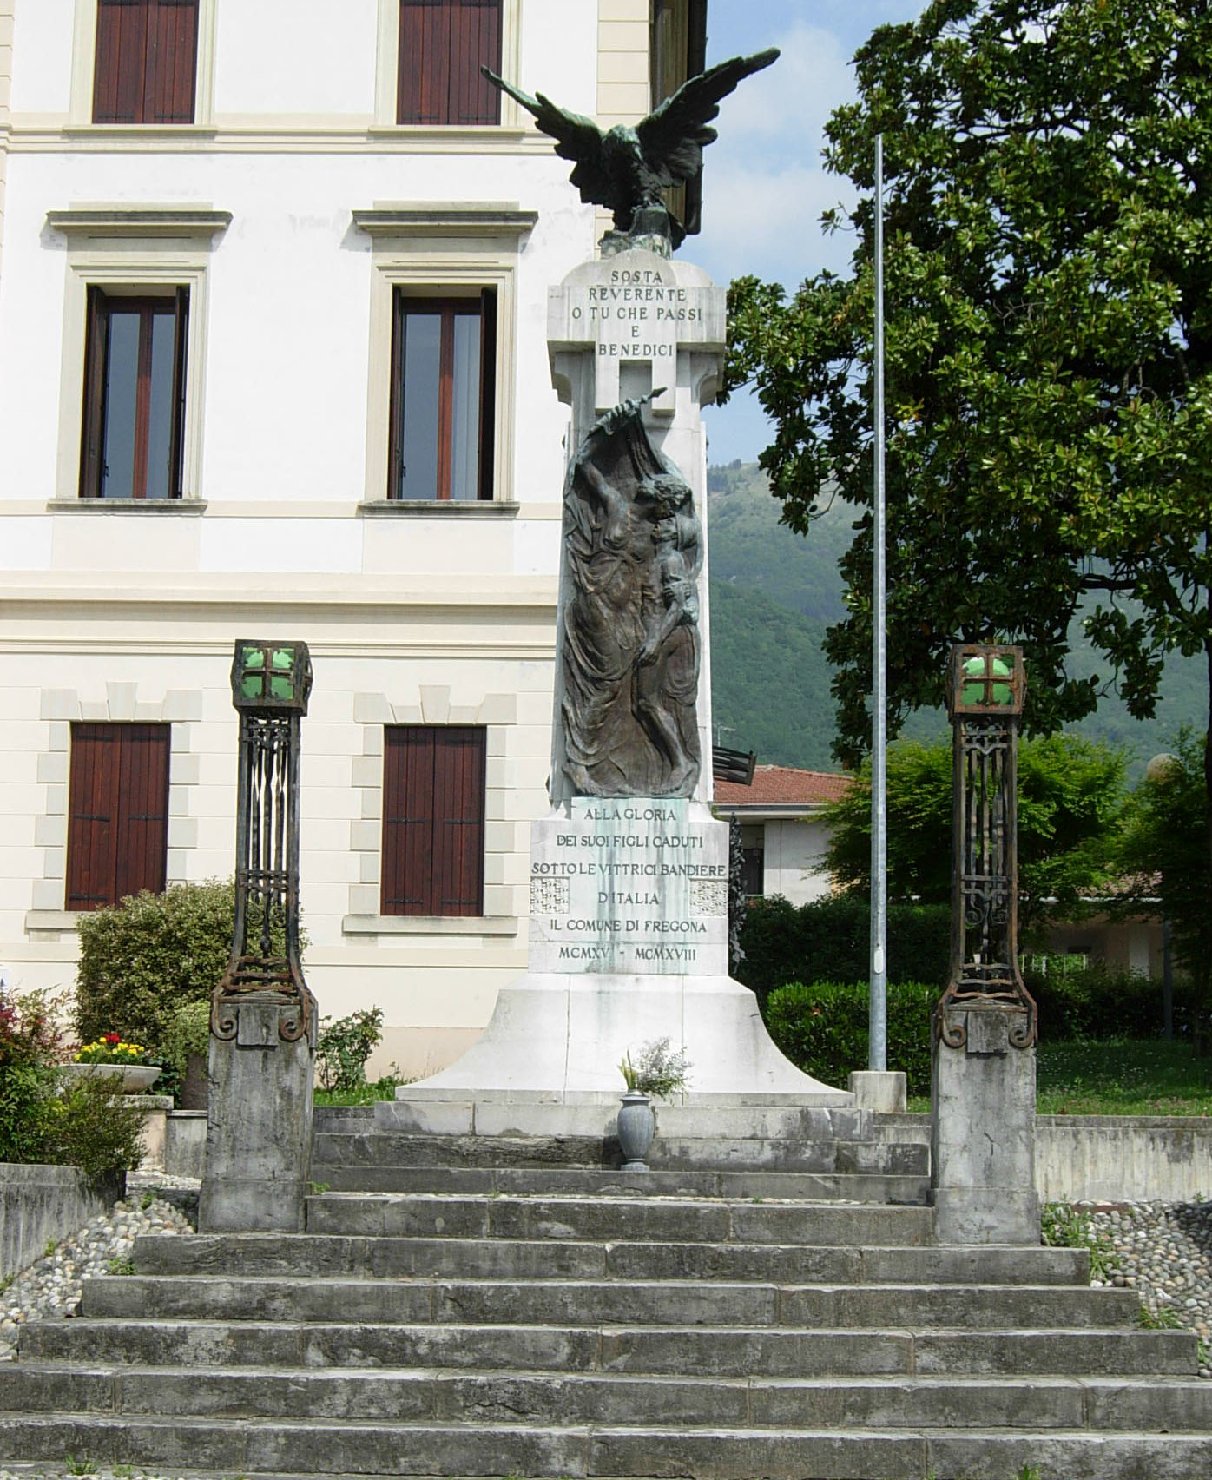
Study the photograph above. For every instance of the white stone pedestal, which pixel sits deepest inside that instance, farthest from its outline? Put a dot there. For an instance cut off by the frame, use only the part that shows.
(628, 943)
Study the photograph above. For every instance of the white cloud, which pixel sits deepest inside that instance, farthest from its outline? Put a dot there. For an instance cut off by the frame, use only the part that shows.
(768, 222)
(764, 185)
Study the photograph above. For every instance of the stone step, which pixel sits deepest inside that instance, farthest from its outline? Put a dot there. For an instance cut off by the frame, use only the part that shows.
(590, 1302)
(625, 1218)
(706, 1351)
(349, 1143)
(303, 1447)
(1110, 1404)
(392, 1258)
(861, 1187)
(770, 1131)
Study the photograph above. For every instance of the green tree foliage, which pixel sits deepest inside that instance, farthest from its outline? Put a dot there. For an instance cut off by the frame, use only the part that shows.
(1164, 849)
(1049, 348)
(1070, 805)
(148, 956)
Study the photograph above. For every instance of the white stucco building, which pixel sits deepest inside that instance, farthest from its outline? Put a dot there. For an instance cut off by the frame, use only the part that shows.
(273, 288)
(783, 829)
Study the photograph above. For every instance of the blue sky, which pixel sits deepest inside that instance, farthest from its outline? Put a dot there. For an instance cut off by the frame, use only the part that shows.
(763, 186)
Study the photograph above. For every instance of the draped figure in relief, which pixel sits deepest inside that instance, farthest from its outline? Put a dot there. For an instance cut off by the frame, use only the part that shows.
(630, 611)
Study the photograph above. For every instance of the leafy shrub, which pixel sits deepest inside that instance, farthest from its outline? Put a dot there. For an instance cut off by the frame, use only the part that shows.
(149, 955)
(29, 1047)
(829, 940)
(344, 1046)
(92, 1127)
(27, 1093)
(43, 1117)
(822, 1028)
(188, 1033)
(1099, 1002)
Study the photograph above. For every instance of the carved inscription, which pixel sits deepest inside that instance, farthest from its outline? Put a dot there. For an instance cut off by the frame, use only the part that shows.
(632, 868)
(637, 312)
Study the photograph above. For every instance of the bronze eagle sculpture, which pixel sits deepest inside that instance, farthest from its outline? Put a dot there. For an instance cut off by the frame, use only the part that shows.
(625, 169)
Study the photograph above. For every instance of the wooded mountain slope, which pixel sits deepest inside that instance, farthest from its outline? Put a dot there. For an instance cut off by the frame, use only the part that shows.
(772, 595)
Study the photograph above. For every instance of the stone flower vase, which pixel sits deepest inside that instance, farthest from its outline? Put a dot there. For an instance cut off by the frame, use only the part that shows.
(636, 1128)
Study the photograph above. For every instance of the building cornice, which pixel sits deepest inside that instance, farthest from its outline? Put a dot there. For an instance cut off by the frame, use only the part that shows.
(477, 218)
(140, 221)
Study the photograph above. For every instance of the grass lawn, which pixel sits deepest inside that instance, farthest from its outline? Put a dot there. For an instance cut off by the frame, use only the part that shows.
(1118, 1076)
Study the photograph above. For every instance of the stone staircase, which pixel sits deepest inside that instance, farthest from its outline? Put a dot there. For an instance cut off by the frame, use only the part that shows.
(495, 1304)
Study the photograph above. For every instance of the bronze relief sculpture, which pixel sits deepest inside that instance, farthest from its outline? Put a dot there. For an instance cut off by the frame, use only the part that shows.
(631, 648)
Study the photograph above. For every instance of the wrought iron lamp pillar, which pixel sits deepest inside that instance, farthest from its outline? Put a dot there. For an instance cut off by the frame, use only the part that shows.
(263, 1020)
(985, 690)
(983, 1166)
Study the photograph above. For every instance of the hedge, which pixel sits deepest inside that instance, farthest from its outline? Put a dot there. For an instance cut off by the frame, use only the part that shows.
(146, 957)
(822, 1028)
(1097, 1002)
(829, 941)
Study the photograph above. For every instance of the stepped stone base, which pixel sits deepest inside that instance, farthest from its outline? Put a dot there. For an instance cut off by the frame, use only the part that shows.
(558, 1040)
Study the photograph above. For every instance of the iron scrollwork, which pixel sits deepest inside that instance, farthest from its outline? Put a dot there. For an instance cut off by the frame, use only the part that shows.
(986, 692)
(270, 685)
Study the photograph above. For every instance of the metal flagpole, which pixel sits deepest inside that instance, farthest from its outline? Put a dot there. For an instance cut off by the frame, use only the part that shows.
(877, 1053)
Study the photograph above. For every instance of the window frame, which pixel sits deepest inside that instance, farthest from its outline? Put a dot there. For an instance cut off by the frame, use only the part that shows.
(447, 308)
(133, 251)
(84, 72)
(441, 251)
(101, 304)
(427, 901)
(122, 876)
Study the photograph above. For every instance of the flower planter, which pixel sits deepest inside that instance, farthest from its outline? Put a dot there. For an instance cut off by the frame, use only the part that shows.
(135, 1078)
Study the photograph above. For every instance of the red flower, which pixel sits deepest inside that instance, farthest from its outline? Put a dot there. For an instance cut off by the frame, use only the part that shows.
(112, 1037)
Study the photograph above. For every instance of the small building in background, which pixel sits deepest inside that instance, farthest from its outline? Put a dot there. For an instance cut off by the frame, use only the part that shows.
(783, 829)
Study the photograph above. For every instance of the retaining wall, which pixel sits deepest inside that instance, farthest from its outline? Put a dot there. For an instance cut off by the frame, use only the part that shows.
(43, 1204)
(1104, 1158)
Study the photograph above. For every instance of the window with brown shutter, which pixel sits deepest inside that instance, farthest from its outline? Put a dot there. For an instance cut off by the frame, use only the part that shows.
(443, 397)
(433, 820)
(117, 833)
(134, 395)
(145, 61)
(443, 45)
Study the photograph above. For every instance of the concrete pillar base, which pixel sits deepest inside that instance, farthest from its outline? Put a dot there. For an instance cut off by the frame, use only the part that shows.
(258, 1123)
(984, 1132)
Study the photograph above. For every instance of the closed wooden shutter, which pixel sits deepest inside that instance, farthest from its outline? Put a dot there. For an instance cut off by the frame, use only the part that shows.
(443, 44)
(433, 820)
(145, 61)
(117, 839)
(172, 49)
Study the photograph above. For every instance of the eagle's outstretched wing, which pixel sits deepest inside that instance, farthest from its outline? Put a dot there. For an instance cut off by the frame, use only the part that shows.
(576, 138)
(672, 137)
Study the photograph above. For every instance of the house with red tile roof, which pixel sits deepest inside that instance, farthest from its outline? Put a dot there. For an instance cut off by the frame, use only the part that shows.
(783, 830)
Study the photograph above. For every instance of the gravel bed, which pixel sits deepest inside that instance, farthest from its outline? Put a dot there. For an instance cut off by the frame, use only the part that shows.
(50, 1287)
(1163, 1251)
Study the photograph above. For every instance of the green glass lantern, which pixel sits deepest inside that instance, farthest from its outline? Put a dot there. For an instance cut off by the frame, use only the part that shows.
(986, 678)
(271, 676)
